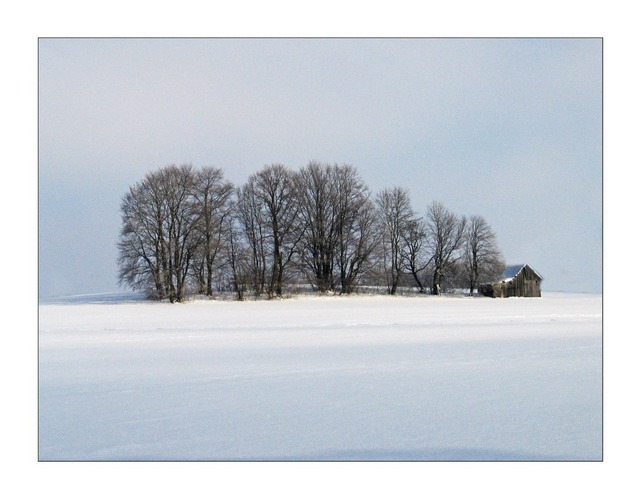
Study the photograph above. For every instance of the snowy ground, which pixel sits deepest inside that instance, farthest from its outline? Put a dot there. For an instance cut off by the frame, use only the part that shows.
(358, 378)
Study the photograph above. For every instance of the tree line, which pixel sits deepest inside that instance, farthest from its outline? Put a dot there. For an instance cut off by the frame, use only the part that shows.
(190, 231)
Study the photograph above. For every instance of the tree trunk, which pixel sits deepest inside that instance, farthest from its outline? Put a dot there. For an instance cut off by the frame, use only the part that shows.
(210, 278)
(421, 288)
(436, 283)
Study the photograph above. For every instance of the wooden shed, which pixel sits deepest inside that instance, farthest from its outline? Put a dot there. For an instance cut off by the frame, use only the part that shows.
(517, 281)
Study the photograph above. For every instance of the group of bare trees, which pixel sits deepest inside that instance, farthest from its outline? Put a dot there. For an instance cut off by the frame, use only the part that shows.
(187, 230)
(174, 231)
(438, 249)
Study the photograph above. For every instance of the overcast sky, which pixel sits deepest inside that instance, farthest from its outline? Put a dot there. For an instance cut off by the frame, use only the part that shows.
(510, 129)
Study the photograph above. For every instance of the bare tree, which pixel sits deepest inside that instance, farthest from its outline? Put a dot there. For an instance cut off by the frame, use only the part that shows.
(414, 256)
(212, 195)
(275, 190)
(316, 198)
(445, 236)
(353, 226)
(483, 260)
(337, 220)
(249, 213)
(158, 240)
(396, 216)
(238, 256)
(176, 183)
(142, 256)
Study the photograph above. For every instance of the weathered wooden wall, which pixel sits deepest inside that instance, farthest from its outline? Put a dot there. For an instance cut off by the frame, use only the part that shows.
(525, 284)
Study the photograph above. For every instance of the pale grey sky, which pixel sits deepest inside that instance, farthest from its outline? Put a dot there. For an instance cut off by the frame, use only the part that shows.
(510, 129)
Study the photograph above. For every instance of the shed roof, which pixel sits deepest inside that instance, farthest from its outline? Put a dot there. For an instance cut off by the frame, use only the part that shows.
(511, 271)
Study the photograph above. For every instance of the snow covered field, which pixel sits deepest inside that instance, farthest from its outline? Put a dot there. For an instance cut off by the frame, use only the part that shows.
(336, 378)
